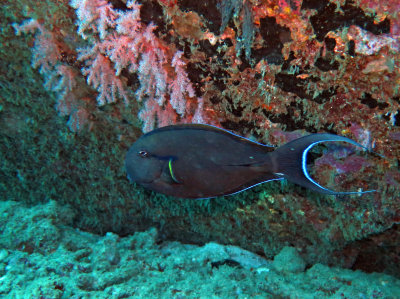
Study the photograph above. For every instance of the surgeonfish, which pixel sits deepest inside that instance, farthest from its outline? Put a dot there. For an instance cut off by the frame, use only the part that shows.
(203, 161)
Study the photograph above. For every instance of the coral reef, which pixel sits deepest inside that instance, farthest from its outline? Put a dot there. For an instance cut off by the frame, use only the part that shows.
(80, 265)
(266, 69)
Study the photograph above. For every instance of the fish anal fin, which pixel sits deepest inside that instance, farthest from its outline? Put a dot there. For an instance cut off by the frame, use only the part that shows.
(250, 184)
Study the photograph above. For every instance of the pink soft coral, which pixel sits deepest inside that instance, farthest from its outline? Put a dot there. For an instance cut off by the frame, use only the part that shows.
(121, 41)
(117, 41)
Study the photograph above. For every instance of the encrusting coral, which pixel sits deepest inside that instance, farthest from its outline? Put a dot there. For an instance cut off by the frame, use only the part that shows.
(266, 69)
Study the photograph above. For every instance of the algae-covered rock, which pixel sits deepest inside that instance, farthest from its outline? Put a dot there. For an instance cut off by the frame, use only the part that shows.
(85, 265)
(289, 260)
(35, 229)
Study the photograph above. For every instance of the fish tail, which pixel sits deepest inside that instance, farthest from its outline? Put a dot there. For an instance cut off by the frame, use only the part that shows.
(290, 161)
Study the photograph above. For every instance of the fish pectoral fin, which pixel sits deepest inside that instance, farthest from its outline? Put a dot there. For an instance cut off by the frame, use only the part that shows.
(171, 172)
(168, 173)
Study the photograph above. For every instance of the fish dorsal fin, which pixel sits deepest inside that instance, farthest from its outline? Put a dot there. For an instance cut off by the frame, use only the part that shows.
(206, 127)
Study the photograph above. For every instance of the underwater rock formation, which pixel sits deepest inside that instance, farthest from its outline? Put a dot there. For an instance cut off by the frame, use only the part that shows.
(268, 70)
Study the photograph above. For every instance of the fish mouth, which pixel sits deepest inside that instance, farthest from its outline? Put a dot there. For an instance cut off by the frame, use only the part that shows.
(147, 182)
(154, 178)
(151, 181)
(143, 180)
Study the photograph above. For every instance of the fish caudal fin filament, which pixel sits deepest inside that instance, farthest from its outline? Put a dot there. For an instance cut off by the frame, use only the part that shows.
(290, 161)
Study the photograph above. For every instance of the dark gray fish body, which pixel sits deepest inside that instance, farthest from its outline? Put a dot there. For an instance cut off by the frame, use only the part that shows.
(202, 161)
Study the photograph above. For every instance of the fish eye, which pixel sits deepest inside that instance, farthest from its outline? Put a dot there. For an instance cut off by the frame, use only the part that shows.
(143, 154)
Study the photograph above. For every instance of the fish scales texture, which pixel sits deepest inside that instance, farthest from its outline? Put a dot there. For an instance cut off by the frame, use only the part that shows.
(203, 161)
